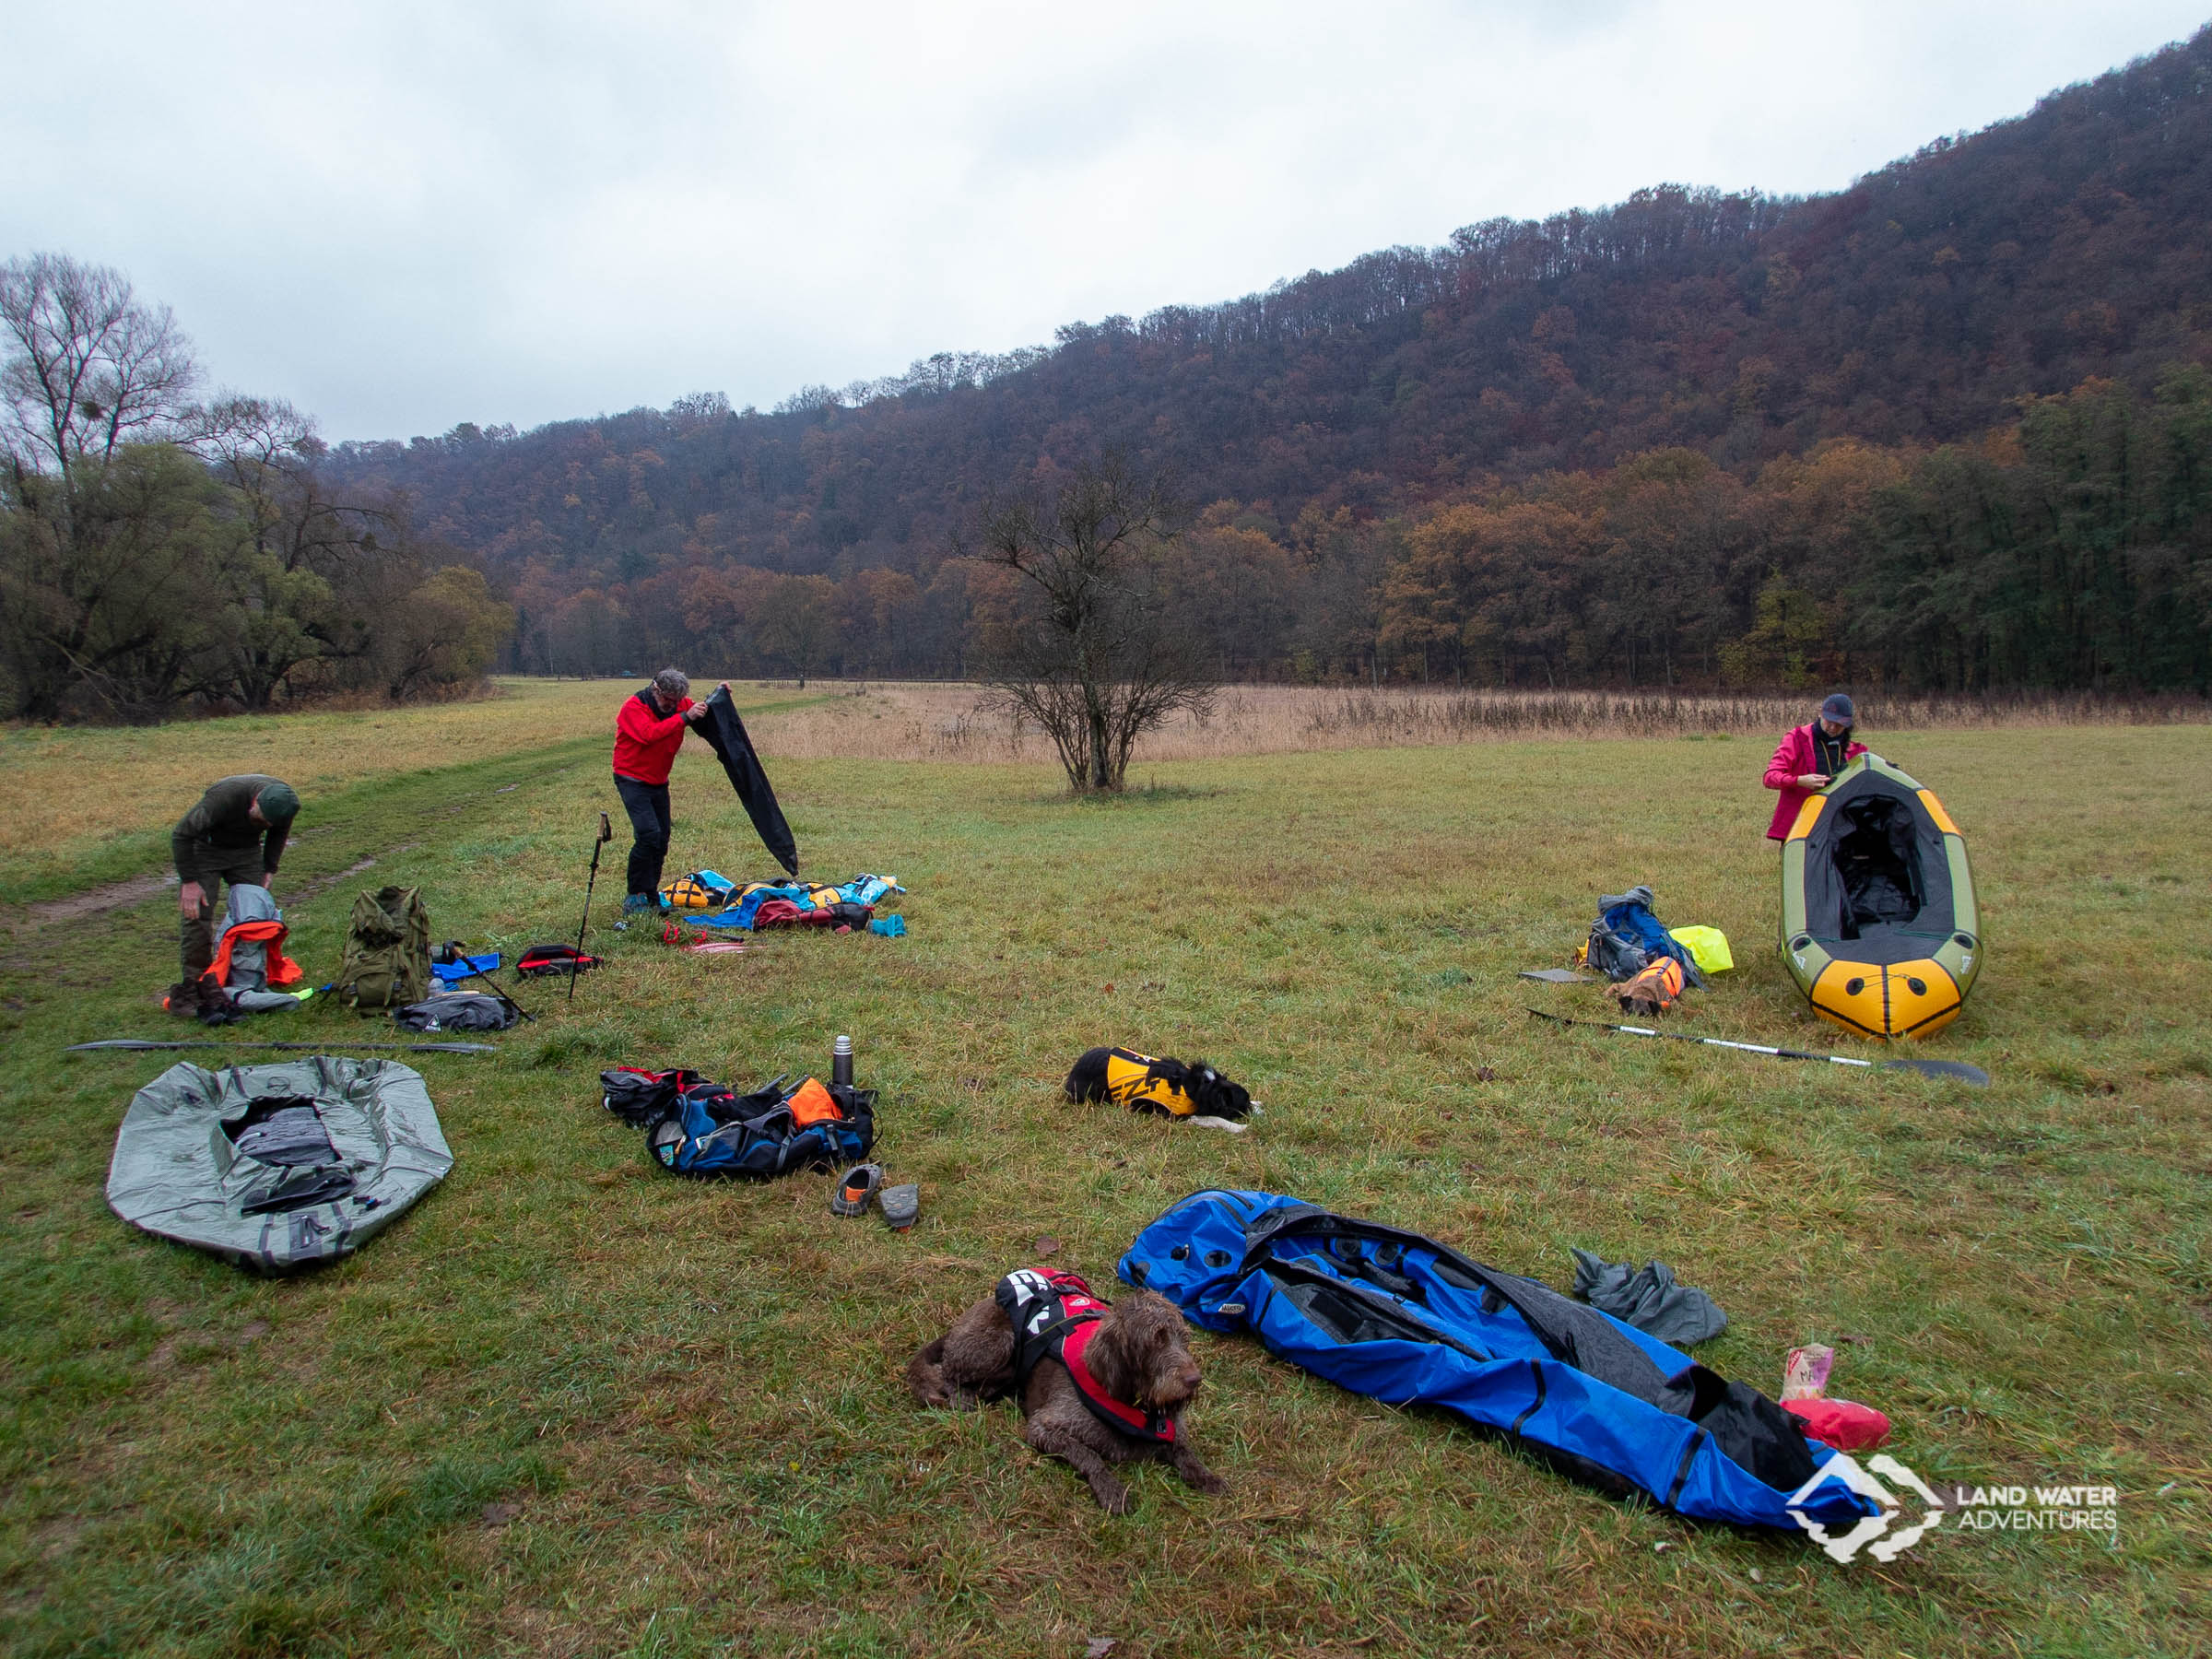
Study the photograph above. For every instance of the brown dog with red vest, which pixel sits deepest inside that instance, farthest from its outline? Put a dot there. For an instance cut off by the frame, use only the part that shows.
(1099, 1383)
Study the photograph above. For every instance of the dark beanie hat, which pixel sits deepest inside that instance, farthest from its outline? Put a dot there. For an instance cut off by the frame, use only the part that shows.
(277, 802)
(1838, 709)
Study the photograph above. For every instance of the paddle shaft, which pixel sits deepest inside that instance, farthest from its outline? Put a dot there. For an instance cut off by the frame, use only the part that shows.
(140, 1045)
(1943, 1068)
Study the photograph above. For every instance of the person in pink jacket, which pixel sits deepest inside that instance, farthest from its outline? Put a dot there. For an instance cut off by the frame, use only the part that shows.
(1807, 758)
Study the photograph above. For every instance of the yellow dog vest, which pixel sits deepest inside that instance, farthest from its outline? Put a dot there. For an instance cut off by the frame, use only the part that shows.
(1130, 1081)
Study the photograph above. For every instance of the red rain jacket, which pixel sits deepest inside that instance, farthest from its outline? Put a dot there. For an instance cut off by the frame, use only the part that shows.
(646, 740)
(1796, 755)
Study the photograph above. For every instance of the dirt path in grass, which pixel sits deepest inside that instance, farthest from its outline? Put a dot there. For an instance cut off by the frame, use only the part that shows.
(114, 895)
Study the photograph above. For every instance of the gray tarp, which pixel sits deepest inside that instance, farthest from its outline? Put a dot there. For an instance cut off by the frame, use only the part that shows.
(1649, 1300)
(277, 1167)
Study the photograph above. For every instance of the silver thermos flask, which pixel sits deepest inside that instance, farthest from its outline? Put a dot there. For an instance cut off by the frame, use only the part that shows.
(841, 1062)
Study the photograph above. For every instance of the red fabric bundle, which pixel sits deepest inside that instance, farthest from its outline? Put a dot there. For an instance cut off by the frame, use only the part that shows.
(1845, 1424)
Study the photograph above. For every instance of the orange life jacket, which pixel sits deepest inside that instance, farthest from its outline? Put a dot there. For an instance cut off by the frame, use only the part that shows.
(281, 970)
(1652, 991)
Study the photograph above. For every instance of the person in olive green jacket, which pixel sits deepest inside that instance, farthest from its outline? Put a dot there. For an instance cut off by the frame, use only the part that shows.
(235, 834)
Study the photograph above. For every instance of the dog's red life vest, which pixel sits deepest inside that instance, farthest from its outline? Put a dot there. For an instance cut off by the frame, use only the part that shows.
(1054, 1316)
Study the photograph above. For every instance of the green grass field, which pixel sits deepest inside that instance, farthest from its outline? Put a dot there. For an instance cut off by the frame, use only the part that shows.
(574, 1405)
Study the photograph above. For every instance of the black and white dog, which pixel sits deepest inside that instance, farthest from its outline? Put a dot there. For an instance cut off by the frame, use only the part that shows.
(1165, 1088)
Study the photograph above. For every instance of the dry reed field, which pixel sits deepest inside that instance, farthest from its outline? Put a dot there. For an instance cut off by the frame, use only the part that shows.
(924, 722)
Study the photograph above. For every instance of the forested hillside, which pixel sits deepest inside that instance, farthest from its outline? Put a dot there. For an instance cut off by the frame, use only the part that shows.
(1690, 437)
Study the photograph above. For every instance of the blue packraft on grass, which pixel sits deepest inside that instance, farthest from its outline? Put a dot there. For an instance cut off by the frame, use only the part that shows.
(1405, 1319)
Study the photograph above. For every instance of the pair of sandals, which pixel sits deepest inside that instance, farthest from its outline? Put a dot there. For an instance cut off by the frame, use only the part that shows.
(861, 1186)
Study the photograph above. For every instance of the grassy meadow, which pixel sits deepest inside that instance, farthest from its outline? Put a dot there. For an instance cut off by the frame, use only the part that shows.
(571, 1404)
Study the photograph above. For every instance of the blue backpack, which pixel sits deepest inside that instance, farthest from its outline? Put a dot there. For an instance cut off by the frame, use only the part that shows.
(708, 1130)
(1627, 937)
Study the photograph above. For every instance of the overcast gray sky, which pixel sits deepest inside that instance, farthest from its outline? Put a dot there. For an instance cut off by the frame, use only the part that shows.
(405, 216)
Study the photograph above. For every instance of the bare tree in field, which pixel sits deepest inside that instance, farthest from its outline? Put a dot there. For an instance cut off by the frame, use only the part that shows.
(1097, 658)
(88, 368)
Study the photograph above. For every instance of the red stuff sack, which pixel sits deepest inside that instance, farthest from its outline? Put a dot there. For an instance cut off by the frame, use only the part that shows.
(1845, 1424)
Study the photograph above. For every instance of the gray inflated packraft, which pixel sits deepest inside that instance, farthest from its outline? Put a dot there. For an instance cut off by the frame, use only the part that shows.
(277, 1167)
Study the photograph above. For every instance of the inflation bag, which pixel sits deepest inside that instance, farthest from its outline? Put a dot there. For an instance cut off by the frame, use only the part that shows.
(458, 1011)
(542, 961)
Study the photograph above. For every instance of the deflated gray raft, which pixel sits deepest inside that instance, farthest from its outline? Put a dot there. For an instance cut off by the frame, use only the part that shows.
(277, 1167)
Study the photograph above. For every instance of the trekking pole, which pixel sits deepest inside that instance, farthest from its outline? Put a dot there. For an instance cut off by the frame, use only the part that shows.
(1927, 1068)
(606, 833)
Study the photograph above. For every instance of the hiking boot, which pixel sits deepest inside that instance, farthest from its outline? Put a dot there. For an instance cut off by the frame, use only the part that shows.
(182, 1000)
(856, 1190)
(900, 1205)
(640, 902)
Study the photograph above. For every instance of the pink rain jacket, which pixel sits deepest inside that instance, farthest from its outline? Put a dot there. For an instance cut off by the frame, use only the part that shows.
(1797, 756)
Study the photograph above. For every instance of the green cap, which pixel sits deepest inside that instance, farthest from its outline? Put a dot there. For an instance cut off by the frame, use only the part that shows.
(277, 802)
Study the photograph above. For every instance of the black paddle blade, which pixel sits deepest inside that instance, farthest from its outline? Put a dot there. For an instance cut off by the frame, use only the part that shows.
(1959, 1069)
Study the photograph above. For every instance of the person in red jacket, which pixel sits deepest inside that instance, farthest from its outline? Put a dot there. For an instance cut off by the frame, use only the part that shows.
(648, 732)
(1808, 757)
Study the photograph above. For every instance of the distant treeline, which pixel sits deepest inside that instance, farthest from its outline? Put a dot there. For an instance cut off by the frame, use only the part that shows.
(2070, 550)
(1578, 379)
(159, 553)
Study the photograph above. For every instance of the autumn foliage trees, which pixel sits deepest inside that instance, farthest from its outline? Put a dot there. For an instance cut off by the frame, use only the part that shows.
(2072, 549)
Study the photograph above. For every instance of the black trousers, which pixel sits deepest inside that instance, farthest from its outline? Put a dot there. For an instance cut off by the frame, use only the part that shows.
(647, 804)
